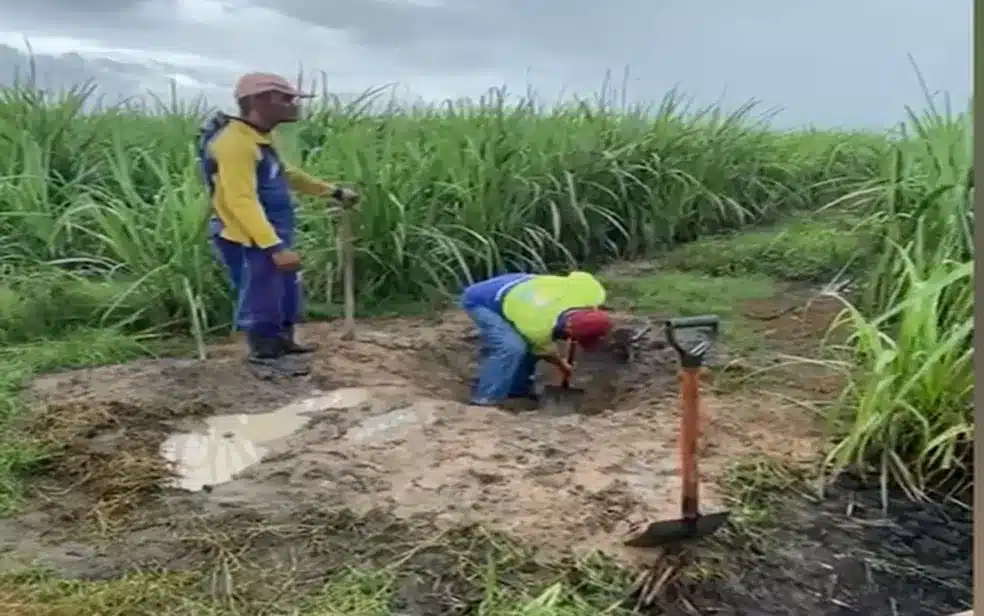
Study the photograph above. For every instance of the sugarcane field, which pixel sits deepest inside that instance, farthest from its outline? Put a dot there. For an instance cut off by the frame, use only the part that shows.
(807, 450)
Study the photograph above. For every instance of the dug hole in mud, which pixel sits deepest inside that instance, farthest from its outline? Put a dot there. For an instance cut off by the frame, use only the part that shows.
(169, 456)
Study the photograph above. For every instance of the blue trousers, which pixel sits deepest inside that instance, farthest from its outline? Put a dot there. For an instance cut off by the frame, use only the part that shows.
(506, 363)
(268, 300)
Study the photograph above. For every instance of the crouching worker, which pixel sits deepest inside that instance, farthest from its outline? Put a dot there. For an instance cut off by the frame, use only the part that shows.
(519, 317)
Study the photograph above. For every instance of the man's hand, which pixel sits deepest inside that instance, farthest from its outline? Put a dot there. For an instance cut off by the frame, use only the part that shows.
(346, 196)
(565, 368)
(287, 260)
(562, 365)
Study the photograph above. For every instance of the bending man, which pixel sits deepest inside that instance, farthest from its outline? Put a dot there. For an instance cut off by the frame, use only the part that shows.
(519, 317)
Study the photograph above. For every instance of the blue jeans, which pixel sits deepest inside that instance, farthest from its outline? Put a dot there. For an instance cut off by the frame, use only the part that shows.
(267, 299)
(506, 364)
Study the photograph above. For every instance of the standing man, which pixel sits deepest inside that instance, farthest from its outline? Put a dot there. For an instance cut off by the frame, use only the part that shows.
(252, 226)
(519, 316)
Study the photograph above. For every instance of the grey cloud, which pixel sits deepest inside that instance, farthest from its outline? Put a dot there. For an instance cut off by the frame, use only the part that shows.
(114, 80)
(831, 62)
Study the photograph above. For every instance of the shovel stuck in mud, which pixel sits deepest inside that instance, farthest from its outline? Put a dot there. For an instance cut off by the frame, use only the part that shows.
(562, 399)
(691, 525)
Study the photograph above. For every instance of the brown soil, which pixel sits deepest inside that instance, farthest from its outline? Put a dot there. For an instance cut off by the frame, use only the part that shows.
(579, 481)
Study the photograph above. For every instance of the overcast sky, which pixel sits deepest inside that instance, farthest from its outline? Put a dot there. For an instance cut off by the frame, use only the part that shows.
(827, 62)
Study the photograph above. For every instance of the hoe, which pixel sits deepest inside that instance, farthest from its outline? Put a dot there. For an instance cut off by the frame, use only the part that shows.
(692, 525)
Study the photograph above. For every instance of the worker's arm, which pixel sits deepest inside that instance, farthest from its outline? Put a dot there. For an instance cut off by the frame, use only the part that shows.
(307, 184)
(544, 351)
(553, 359)
(237, 177)
(558, 362)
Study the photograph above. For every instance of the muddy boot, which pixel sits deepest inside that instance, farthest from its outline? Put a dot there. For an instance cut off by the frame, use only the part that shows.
(292, 347)
(268, 353)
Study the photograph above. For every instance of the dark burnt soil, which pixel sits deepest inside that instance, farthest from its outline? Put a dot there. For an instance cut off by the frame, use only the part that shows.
(842, 556)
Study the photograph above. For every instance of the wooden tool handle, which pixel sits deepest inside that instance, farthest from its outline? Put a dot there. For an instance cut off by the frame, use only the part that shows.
(348, 271)
(571, 348)
(689, 436)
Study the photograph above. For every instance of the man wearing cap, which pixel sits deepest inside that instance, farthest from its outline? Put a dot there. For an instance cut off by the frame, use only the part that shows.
(252, 226)
(519, 317)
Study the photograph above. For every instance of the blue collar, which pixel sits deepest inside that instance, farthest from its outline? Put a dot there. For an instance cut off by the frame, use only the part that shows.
(558, 330)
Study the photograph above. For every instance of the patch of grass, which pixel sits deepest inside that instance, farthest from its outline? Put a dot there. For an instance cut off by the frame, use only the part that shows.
(753, 486)
(681, 294)
(38, 593)
(18, 364)
(686, 294)
(491, 578)
(800, 249)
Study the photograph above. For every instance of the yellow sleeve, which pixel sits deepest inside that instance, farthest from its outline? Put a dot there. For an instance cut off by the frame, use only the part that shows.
(306, 184)
(236, 159)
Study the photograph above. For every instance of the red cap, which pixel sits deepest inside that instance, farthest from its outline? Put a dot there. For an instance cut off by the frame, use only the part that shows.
(588, 327)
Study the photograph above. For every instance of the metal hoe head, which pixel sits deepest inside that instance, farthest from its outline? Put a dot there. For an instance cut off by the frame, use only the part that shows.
(673, 532)
(561, 400)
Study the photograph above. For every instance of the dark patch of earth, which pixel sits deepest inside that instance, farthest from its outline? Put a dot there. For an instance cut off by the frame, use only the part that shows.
(843, 556)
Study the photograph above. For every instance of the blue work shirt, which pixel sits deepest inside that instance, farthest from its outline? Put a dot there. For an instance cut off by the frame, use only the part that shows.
(490, 293)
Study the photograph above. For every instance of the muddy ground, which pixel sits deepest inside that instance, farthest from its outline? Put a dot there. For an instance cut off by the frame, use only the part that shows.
(388, 456)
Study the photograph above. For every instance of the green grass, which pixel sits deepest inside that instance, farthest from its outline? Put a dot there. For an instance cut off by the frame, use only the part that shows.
(680, 294)
(473, 569)
(674, 293)
(804, 248)
(352, 592)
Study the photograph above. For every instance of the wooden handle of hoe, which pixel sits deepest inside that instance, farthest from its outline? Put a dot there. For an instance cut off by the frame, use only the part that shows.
(689, 436)
(348, 273)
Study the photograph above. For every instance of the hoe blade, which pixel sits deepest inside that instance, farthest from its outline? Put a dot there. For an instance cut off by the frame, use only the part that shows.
(671, 532)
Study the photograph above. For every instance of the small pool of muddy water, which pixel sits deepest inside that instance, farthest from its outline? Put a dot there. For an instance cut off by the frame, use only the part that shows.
(213, 449)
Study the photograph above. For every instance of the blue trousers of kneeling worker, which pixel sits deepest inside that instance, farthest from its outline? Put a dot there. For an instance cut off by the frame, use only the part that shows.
(506, 362)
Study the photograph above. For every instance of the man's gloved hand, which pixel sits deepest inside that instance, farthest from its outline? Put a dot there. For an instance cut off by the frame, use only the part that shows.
(346, 196)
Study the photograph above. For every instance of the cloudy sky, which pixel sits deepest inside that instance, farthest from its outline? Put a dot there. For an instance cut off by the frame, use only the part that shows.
(829, 62)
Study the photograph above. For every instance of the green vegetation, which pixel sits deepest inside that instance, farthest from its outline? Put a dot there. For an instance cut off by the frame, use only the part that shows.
(498, 586)
(807, 247)
(102, 219)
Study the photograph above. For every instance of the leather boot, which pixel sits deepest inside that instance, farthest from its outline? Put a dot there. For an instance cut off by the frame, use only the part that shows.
(269, 353)
(292, 347)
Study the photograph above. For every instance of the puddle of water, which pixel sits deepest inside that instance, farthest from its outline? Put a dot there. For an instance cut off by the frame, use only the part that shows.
(228, 444)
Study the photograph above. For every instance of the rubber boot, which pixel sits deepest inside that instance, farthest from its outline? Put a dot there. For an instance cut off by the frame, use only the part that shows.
(269, 353)
(292, 347)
